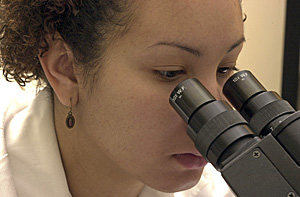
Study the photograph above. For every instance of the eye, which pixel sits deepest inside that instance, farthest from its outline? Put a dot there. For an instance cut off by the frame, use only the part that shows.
(226, 71)
(171, 75)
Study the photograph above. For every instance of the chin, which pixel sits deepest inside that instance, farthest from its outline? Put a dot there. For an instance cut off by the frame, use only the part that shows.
(179, 183)
(177, 187)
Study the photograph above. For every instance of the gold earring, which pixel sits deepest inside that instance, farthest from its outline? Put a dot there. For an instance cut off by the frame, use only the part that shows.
(70, 120)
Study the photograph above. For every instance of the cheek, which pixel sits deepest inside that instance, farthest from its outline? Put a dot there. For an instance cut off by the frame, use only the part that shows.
(148, 116)
(130, 118)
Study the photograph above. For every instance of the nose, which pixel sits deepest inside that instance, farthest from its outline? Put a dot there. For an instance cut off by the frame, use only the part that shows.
(213, 87)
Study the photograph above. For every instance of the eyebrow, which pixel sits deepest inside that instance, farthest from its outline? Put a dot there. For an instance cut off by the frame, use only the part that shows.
(236, 44)
(193, 50)
(180, 46)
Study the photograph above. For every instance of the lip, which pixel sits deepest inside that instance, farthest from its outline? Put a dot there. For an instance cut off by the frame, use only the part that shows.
(190, 161)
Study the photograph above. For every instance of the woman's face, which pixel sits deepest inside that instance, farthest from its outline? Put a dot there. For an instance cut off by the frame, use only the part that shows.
(127, 117)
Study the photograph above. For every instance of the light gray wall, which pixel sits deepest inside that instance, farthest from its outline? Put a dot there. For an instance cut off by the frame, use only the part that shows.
(263, 50)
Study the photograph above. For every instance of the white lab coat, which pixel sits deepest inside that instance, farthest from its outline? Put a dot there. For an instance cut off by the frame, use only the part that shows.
(30, 162)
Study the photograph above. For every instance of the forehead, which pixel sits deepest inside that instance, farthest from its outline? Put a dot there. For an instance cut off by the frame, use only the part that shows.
(188, 19)
(190, 8)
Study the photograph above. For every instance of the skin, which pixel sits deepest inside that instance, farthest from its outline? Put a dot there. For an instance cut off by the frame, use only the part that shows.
(126, 133)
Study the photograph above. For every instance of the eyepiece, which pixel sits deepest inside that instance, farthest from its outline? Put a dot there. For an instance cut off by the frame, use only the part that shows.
(188, 96)
(264, 110)
(240, 87)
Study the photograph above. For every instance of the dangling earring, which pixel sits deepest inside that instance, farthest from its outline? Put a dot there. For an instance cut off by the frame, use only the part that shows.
(70, 120)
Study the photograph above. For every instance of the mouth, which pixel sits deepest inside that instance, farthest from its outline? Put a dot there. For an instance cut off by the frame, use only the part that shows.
(190, 160)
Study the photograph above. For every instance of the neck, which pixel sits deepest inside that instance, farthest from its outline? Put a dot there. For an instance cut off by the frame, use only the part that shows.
(88, 170)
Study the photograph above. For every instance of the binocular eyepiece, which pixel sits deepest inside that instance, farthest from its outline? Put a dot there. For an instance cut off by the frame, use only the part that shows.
(218, 131)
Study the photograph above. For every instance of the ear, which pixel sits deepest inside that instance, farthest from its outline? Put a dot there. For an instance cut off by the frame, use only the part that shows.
(58, 64)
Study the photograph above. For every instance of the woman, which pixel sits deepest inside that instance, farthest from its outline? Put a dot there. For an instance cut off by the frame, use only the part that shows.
(111, 66)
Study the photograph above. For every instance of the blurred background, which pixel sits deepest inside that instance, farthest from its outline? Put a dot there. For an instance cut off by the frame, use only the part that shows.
(272, 45)
(264, 47)
(271, 50)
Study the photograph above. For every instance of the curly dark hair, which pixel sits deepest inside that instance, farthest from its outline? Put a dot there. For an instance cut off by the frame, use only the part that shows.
(82, 24)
